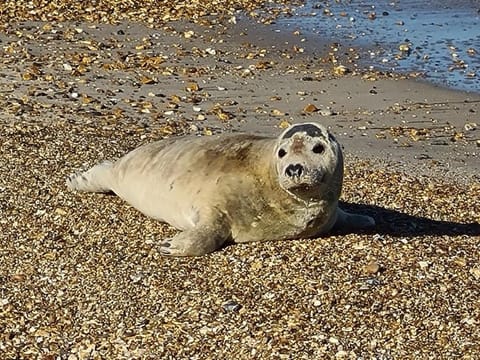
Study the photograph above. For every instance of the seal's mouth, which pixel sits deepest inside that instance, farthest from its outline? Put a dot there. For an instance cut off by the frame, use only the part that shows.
(304, 190)
(302, 187)
(306, 186)
(307, 181)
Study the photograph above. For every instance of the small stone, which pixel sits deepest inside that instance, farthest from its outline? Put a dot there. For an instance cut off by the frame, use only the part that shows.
(231, 306)
(284, 124)
(210, 51)
(378, 237)
(40, 212)
(460, 261)
(471, 51)
(188, 34)
(136, 278)
(307, 78)
(340, 70)
(424, 264)
(192, 87)
(60, 211)
(423, 157)
(310, 108)
(371, 268)
(333, 340)
(475, 272)
(327, 112)
(373, 282)
(439, 142)
(18, 277)
(470, 126)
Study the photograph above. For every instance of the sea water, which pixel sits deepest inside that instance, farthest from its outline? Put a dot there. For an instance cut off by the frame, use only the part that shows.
(438, 39)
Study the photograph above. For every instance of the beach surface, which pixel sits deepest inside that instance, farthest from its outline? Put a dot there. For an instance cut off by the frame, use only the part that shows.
(81, 274)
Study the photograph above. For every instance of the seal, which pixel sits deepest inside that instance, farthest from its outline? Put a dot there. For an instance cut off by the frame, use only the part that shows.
(235, 187)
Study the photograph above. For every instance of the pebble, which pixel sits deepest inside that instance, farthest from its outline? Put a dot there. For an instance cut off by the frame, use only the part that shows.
(475, 272)
(327, 112)
(439, 142)
(310, 108)
(231, 306)
(424, 264)
(470, 126)
(333, 340)
(371, 268)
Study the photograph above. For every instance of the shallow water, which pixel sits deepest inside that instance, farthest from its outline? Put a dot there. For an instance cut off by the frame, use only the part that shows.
(440, 39)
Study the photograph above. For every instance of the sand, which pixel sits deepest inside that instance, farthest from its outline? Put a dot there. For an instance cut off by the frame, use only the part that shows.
(81, 274)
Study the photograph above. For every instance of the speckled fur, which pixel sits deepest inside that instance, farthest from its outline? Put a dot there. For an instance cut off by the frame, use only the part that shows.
(231, 187)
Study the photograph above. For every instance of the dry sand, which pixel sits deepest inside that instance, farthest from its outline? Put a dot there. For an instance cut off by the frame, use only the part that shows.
(81, 275)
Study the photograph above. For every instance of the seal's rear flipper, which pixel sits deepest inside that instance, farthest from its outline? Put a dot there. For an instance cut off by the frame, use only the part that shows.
(97, 179)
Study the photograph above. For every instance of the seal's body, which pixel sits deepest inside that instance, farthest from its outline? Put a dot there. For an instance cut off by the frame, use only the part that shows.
(238, 186)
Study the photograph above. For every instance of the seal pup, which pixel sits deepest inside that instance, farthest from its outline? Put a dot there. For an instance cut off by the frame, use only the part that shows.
(236, 187)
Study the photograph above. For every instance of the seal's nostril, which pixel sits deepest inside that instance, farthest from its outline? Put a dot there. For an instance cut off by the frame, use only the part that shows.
(294, 170)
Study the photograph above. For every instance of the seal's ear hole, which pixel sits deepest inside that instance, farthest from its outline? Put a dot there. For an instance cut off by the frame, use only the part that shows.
(281, 153)
(318, 149)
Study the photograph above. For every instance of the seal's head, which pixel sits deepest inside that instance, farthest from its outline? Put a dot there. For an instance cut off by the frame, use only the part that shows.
(308, 160)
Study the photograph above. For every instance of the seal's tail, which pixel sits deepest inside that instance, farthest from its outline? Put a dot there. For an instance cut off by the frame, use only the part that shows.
(97, 179)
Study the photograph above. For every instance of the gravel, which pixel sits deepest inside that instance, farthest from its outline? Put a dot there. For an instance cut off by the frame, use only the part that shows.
(81, 276)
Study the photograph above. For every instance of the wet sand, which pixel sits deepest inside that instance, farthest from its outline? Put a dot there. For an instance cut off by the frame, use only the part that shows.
(439, 41)
(81, 273)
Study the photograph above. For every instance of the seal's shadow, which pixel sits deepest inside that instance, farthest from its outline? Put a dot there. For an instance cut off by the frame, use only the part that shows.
(397, 224)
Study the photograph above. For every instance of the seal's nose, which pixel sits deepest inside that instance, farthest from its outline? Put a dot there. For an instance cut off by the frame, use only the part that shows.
(294, 170)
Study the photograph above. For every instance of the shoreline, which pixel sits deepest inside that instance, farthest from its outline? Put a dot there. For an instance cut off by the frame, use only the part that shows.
(436, 41)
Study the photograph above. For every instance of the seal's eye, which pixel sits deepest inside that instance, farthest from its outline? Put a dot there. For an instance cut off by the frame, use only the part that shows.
(318, 149)
(281, 153)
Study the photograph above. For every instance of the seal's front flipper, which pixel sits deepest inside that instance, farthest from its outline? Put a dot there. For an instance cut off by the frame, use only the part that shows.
(348, 222)
(200, 240)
